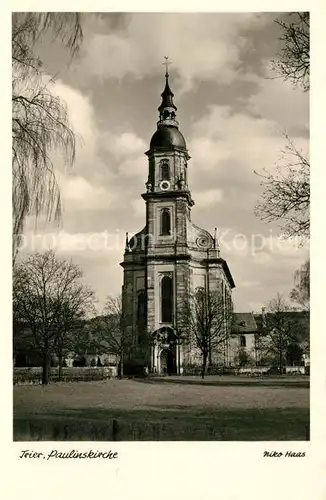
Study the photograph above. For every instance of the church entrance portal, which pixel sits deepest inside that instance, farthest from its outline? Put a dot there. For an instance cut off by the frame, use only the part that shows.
(166, 352)
(167, 362)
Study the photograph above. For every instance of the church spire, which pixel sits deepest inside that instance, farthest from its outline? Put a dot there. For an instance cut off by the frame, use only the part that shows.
(167, 135)
(167, 108)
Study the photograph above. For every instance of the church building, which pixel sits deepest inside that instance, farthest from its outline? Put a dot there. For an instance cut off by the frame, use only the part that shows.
(170, 257)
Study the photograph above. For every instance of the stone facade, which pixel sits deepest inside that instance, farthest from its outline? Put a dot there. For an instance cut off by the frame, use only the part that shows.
(169, 258)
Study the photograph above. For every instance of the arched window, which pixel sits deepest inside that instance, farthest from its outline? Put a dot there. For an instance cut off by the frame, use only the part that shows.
(141, 307)
(165, 222)
(166, 299)
(165, 172)
(243, 342)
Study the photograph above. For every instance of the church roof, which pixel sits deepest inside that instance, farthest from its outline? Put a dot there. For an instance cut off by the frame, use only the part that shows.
(137, 242)
(167, 137)
(227, 271)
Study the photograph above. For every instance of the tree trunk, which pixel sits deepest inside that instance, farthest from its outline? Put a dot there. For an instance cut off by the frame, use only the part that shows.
(121, 363)
(209, 353)
(179, 368)
(60, 367)
(281, 361)
(120, 367)
(203, 370)
(46, 368)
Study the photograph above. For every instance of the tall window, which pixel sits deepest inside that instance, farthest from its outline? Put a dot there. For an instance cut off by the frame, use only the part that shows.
(141, 316)
(166, 299)
(243, 341)
(165, 222)
(165, 172)
(141, 307)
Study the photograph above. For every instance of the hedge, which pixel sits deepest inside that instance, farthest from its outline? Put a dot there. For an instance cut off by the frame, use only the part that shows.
(33, 375)
(195, 370)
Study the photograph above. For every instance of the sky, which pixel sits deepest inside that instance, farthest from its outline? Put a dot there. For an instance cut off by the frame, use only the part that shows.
(232, 111)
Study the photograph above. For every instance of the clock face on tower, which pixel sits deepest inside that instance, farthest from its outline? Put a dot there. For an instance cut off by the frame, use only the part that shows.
(164, 185)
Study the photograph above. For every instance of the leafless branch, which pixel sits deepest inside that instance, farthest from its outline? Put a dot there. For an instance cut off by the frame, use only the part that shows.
(293, 61)
(286, 195)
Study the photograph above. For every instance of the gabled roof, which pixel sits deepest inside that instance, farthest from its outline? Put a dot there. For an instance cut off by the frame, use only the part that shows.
(244, 323)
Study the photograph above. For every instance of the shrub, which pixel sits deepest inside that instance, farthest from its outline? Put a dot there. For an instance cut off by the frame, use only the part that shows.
(93, 362)
(80, 374)
(54, 361)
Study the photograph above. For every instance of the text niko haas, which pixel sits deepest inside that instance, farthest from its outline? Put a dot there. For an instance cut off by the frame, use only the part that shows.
(72, 454)
(286, 454)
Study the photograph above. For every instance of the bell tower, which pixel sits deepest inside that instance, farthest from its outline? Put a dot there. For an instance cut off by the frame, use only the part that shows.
(170, 256)
(168, 206)
(167, 196)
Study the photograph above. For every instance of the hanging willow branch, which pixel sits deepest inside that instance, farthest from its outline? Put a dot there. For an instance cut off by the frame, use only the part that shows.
(40, 124)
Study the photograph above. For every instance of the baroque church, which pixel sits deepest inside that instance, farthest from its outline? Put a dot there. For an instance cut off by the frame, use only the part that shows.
(170, 257)
(165, 264)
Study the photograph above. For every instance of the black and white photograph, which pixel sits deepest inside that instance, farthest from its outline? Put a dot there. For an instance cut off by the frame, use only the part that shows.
(161, 227)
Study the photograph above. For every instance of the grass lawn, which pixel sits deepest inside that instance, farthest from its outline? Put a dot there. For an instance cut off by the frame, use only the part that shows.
(180, 408)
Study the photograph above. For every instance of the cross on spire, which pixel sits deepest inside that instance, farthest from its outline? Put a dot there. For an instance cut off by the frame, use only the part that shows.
(166, 63)
(167, 97)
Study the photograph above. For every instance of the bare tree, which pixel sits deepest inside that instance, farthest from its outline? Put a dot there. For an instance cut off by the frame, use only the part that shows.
(301, 291)
(205, 319)
(40, 124)
(43, 285)
(293, 61)
(286, 194)
(73, 311)
(111, 333)
(282, 330)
